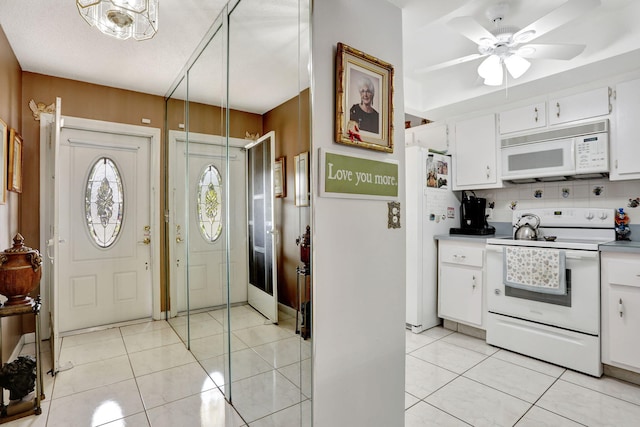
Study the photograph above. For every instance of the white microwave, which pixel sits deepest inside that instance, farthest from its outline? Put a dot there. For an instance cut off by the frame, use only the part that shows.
(536, 157)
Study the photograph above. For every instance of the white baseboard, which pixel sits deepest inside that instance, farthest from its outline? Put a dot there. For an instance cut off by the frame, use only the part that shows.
(286, 309)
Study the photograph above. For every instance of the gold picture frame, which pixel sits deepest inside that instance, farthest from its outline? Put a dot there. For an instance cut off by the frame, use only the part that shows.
(301, 182)
(279, 178)
(364, 100)
(14, 182)
(3, 162)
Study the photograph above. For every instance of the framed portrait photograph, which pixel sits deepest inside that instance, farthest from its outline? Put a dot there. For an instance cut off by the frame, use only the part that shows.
(279, 178)
(301, 182)
(15, 162)
(3, 161)
(364, 100)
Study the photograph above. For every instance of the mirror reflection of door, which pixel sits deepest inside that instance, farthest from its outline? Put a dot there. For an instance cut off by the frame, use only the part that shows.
(198, 171)
(262, 231)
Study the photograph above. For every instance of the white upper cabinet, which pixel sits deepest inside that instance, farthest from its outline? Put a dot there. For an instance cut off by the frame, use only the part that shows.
(524, 118)
(585, 105)
(625, 148)
(431, 135)
(475, 160)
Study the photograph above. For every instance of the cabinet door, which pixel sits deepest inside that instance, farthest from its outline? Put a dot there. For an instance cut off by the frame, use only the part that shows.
(624, 325)
(434, 136)
(580, 106)
(460, 294)
(475, 158)
(524, 118)
(624, 147)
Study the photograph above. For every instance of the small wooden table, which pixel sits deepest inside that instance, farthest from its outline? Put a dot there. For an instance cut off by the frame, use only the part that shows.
(23, 408)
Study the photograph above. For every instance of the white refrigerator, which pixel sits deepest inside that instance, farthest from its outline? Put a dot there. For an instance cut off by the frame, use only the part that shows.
(431, 209)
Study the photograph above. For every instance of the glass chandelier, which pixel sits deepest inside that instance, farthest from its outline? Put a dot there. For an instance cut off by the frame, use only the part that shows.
(121, 19)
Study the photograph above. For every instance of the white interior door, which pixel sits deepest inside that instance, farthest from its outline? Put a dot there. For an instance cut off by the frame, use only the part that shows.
(263, 234)
(104, 258)
(198, 175)
(49, 229)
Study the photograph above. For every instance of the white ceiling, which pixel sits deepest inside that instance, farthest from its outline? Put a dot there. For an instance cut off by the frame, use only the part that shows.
(610, 32)
(50, 37)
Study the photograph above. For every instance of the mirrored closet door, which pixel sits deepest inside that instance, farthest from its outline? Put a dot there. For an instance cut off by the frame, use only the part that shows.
(247, 81)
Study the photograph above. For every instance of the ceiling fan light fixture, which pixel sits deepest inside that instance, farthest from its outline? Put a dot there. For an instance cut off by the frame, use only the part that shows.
(516, 65)
(490, 67)
(494, 79)
(122, 19)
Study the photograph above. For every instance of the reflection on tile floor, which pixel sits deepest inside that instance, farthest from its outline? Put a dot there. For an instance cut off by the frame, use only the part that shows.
(143, 375)
(456, 380)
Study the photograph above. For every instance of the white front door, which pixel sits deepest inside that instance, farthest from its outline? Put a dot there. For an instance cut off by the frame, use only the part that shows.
(263, 233)
(105, 239)
(198, 224)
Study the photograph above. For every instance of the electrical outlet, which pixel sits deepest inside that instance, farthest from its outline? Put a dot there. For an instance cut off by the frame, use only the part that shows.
(394, 215)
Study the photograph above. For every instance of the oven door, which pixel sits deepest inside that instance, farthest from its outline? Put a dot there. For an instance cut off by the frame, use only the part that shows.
(577, 310)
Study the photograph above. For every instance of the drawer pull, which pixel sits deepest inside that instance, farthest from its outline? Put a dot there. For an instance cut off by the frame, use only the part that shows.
(462, 257)
(620, 308)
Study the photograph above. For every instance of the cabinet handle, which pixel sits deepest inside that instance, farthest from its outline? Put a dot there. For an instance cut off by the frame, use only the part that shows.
(558, 107)
(620, 308)
(488, 171)
(474, 281)
(462, 257)
(536, 111)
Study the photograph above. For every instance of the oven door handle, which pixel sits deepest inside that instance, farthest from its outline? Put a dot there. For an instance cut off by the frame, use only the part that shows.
(581, 255)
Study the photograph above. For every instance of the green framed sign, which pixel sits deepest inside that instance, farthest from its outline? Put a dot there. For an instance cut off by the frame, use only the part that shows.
(357, 177)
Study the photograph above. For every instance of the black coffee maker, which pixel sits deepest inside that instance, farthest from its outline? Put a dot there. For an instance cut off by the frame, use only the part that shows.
(473, 219)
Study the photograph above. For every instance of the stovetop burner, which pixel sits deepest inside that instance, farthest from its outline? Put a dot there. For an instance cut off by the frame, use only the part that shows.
(574, 228)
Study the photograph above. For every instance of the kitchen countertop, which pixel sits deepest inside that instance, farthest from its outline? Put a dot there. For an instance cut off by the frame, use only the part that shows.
(468, 238)
(630, 246)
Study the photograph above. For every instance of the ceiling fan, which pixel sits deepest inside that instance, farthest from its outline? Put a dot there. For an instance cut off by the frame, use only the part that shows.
(509, 47)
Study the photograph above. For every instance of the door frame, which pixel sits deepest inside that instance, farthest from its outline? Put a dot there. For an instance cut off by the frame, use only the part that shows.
(154, 135)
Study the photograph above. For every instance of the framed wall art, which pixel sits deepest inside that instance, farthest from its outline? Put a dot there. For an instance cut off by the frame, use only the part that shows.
(3, 162)
(301, 166)
(279, 178)
(15, 162)
(364, 100)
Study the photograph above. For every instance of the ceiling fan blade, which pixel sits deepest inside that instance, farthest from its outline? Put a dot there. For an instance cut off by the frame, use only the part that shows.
(551, 51)
(448, 63)
(569, 11)
(471, 29)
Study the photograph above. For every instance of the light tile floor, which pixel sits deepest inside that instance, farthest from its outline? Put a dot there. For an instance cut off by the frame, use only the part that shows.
(456, 380)
(142, 375)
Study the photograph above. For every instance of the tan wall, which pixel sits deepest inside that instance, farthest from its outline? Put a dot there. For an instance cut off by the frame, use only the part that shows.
(10, 113)
(290, 121)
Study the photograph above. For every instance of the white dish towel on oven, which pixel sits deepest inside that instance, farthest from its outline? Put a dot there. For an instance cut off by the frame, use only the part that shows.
(535, 269)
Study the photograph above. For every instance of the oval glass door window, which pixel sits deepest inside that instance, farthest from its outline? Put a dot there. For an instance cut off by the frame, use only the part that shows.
(104, 202)
(210, 204)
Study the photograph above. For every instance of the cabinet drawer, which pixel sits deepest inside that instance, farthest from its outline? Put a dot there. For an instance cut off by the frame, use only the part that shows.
(624, 272)
(456, 254)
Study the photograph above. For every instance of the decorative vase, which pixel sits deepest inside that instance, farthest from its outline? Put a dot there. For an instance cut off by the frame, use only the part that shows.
(20, 272)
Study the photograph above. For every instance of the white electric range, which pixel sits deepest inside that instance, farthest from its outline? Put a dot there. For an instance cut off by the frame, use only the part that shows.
(554, 320)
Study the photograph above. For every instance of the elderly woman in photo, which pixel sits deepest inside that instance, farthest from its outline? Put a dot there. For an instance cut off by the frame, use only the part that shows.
(363, 113)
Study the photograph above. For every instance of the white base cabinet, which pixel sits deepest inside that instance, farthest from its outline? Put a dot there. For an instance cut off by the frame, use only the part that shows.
(621, 310)
(460, 282)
